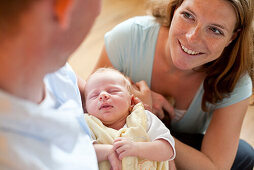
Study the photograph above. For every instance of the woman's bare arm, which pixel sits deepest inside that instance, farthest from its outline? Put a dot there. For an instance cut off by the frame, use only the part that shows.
(103, 60)
(220, 142)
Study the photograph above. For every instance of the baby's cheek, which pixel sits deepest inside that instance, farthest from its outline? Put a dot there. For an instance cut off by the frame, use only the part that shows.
(90, 107)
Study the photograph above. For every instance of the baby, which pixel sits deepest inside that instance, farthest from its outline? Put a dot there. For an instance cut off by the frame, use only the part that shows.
(124, 136)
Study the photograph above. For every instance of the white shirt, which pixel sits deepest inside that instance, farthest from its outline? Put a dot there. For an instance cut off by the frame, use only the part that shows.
(50, 136)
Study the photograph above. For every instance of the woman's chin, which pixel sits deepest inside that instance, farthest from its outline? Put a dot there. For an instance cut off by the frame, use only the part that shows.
(182, 66)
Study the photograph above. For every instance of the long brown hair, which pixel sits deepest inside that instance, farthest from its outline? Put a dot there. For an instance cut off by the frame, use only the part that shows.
(236, 59)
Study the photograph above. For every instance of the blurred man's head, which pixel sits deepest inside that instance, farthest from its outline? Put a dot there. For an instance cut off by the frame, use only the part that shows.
(53, 29)
(10, 13)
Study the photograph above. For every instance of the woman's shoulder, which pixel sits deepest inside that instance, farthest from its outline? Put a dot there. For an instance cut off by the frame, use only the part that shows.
(243, 86)
(242, 90)
(244, 80)
(143, 22)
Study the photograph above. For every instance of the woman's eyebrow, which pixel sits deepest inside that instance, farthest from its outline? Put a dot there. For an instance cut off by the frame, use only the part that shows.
(220, 26)
(188, 9)
(213, 24)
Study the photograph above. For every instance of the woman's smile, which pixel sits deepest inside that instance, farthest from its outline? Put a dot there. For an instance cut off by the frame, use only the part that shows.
(189, 51)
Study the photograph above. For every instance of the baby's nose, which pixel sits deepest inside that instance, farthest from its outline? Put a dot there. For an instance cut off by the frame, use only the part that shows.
(104, 96)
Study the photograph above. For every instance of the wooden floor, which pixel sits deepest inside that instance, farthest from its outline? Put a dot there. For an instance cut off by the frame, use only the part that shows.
(113, 12)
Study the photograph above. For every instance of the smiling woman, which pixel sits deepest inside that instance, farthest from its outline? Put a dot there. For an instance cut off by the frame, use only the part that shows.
(236, 19)
(196, 29)
(199, 53)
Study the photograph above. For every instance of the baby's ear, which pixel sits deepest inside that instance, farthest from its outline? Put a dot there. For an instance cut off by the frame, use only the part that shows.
(84, 108)
(134, 101)
(83, 101)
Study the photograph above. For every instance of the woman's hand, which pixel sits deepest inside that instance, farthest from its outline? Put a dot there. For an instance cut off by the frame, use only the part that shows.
(143, 92)
(161, 106)
(136, 100)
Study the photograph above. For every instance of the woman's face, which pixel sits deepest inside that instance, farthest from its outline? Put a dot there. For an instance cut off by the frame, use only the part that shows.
(199, 32)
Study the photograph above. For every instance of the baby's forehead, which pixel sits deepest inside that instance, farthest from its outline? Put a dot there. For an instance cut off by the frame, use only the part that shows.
(106, 77)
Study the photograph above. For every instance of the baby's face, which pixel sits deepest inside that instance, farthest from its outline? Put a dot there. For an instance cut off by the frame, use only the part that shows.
(107, 97)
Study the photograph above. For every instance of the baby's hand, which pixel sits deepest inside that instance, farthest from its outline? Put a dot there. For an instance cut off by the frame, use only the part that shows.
(124, 147)
(115, 163)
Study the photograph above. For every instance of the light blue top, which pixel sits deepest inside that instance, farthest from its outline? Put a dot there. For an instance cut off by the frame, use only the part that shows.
(131, 47)
(52, 135)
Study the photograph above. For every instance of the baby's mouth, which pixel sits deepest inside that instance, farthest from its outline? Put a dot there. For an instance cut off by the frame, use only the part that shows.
(105, 106)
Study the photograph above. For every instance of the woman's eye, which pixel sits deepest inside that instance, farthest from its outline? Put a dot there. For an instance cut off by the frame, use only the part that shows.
(187, 15)
(216, 31)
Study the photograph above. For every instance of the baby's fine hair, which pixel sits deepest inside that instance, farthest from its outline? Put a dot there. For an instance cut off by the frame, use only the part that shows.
(126, 79)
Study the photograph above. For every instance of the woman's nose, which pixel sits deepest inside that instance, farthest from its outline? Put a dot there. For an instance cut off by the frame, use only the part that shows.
(104, 96)
(194, 34)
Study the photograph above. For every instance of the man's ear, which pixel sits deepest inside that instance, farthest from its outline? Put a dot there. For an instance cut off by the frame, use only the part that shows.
(63, 10)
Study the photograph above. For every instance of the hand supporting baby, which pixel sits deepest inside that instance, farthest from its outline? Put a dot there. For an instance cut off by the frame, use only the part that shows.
(115, 162)
(121, 148)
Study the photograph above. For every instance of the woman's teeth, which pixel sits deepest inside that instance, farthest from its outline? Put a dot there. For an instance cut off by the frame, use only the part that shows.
(188, 51)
